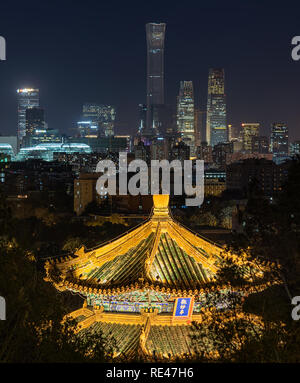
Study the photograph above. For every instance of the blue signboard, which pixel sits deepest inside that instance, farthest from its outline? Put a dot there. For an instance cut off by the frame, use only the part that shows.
(183, 307)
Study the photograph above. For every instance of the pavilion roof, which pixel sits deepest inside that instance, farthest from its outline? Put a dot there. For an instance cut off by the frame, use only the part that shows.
(159, 251)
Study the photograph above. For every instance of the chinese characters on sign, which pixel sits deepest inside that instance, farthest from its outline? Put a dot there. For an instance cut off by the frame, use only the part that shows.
(183, 308)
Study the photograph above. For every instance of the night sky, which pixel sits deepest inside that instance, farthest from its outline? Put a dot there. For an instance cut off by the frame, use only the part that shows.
(86, 51)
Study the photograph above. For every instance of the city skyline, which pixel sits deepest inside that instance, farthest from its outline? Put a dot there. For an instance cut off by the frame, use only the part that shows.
(262, 80)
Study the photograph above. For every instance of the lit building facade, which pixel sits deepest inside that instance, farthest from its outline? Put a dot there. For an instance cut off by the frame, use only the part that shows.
(27, 98)
(279, 140)
(249, 131)
(295, 148)
(102, 116)
(233, 132)
(10, 142)
(260, 144)
(107, 117)
(214, 182)
(142, 118)
(155, 34)
(35, 122)
(90, 112)
(35, 119)
(216, 128)
(186, 114)
(45, 151)
(87, 129)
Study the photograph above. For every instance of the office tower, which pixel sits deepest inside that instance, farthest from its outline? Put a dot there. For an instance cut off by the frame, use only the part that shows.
(107, 117)
(35, 120)
(249, 130)
(90, 112)
(216, 128)
(27, 98)
(197, 125)
(142, 114)
(155, 34)
(186, 114)
(294, 148)
(233, 132)
(279, 140)
(260, 144)
(35, 123)
(102, 116)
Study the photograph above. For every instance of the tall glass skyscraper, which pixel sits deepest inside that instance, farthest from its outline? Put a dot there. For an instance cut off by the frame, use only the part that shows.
(155, 34)
(27, 98)
(185, 114)
(216, 128)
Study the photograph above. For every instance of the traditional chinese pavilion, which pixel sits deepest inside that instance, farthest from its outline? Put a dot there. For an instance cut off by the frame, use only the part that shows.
(144, 287)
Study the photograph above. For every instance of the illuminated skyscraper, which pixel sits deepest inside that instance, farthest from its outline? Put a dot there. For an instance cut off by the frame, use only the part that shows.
(216, 128)
(279, 140)
(27, 98)
(199, 117)
(249, 131)
(186, 114)
(142, 117)
(260, 144)
(102, 116)
(107, 117)
(35, 120)
(90, 112)
(155, 77)
(233, 132)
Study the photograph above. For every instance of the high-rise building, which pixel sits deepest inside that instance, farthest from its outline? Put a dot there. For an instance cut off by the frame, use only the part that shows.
(35, 123)
(107, 117)
(233, 132)
(279, 140)
(142, 117)
(216, 128)
(294, 148)
(199, 126)
(102, 116)
(27, 98)
(155, 34)
(260, 144)
(249, 130)
(186, 114)
(90, 112)
(35, 119)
